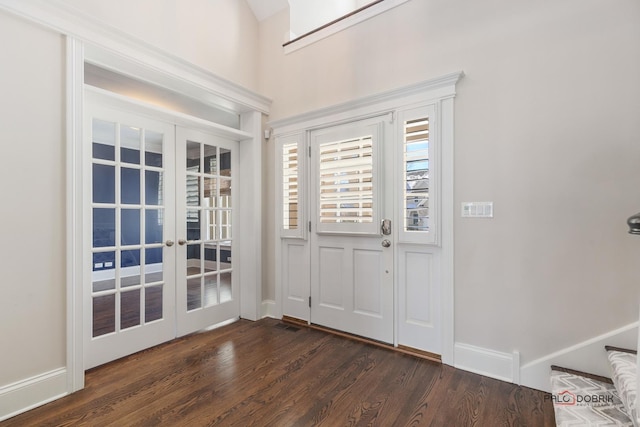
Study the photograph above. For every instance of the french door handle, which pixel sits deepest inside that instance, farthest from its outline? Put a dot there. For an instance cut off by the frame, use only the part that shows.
(169, 243)
(182, 242)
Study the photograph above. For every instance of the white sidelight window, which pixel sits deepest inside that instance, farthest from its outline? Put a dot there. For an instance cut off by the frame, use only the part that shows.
(418, 176)
(290, 182)
(291, 153)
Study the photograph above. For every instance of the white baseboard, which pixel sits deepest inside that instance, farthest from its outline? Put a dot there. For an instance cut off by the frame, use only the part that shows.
(269, 309)
(490, 363)
(32, 392)
(587, 356)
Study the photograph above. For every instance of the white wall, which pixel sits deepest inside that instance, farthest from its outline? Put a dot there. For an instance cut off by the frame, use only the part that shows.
(546, 127)
(307, 15)
(217, 35)
(32, 218)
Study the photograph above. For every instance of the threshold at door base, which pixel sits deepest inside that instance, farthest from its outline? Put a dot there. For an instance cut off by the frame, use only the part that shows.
(400, 349)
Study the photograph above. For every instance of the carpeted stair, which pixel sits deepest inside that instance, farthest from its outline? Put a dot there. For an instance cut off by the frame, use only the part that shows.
(581, 399)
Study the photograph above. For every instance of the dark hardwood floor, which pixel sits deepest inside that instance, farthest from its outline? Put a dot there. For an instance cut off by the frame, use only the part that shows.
(269, 374)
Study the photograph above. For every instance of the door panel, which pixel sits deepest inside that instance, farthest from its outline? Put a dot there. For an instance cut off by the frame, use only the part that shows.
(351, 272)
(206, 284)
(131, 272)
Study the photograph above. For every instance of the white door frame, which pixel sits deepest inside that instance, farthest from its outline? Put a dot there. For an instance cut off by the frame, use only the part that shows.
(438, 92)
(248, 106)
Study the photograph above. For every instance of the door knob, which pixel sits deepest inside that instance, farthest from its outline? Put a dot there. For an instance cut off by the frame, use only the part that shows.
(169, 243)
(386, 243)
(182, 242)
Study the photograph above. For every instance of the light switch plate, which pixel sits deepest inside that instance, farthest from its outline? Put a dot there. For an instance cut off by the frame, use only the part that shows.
(477, 210)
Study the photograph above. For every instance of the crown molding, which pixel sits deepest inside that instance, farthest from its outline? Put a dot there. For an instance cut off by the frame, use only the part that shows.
(111, 48)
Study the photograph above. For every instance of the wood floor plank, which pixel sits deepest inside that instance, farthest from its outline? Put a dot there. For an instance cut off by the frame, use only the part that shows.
(267, 374)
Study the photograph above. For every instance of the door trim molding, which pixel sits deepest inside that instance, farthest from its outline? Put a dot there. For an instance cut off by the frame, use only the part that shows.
(439, 90)
(125, 52)
(250, 138)
(75, 206)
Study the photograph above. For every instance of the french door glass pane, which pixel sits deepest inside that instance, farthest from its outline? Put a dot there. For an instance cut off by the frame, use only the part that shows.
(210, 290)
(130, 145)
(194, 294)
(104, 183)
(225, 286)
(154, 224)
(153, 149)
(153, 265)
(104, 227)
(194, 261)
(153, 303)
(129, 309)
(153, 188)
(130, 228)
(130, 186)
(104, 140)
(104, 314)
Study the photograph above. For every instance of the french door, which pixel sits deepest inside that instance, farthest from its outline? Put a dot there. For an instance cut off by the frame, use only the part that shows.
(159, 223)
(351, 253)
(207, 293)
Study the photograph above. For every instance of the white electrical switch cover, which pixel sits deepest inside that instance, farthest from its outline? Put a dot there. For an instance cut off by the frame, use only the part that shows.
(477, 210)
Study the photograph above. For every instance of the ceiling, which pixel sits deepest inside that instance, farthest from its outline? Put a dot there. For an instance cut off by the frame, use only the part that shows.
(263, 9)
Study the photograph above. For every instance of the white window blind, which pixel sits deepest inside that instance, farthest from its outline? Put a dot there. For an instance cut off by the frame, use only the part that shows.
(346, 181)
(416, 171)
(290, 201)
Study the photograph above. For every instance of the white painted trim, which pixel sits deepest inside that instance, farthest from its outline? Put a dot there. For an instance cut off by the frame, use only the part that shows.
(425, 91)
(490, 363)
(342, 24)
(250, 234)
(74, 208)
(30, 393)
(158, 113)
(112, 47)
(269, 309)
(447, 216)
(129, 271)
(587, 356)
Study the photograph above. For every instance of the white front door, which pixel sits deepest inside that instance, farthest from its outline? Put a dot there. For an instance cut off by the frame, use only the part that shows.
(159, 230)
(207, 282)
(351, 259)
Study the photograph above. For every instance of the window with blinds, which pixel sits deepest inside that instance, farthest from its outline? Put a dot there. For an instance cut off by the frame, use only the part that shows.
(346, 181)
(416, 175)
(290, 183)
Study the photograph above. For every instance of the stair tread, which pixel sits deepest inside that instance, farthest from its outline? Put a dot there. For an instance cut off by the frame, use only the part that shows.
(624, 350)
(625, 378)
(579, 400)
(582, 374)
